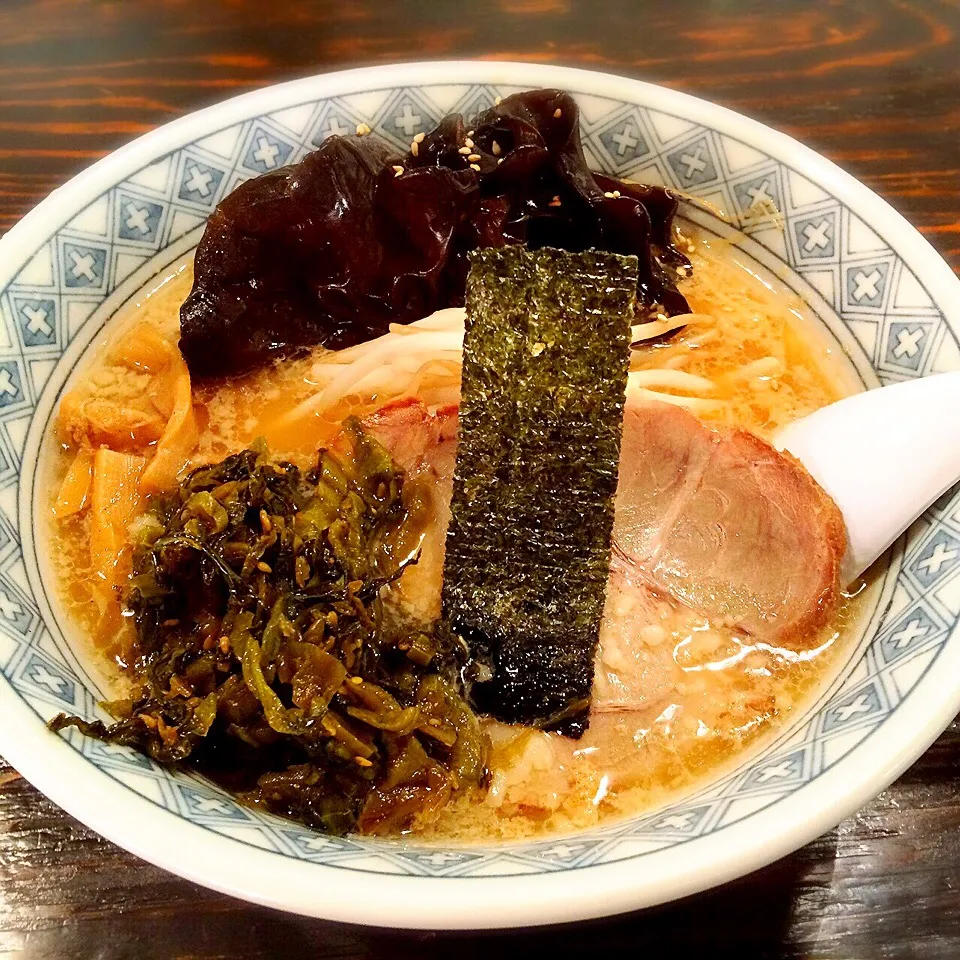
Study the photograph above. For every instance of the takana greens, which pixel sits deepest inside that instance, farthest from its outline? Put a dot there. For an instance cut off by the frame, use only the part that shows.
(267, 659)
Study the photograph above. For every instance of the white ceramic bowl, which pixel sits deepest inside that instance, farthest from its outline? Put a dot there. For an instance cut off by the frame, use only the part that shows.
(883, 295)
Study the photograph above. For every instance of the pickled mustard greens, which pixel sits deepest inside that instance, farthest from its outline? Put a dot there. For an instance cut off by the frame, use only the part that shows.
(266, 658)
(356, 236)
(545, 358)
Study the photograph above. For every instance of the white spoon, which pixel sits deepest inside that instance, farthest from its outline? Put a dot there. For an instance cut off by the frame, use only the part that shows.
(883, 456)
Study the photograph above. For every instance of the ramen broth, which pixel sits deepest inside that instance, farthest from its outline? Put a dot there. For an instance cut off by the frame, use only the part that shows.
(714, 691)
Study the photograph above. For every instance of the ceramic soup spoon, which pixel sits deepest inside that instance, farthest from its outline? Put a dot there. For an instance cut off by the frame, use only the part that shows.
(883, 456)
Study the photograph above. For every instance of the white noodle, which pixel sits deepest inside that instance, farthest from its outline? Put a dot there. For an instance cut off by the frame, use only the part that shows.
(655, 328)
(701, 339)
(379, 353)
(764, 367)
(452, 318)
(413, 362)
(369, 385)
(694, 404)
(672, 379)
(400, 361)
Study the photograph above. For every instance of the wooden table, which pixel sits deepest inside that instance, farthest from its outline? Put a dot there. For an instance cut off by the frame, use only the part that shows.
(872, 84)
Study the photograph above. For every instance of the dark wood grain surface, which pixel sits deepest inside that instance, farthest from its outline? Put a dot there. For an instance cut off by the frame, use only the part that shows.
(872, 84)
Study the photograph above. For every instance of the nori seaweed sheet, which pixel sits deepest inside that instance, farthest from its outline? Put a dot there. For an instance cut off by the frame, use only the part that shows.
(545, 361)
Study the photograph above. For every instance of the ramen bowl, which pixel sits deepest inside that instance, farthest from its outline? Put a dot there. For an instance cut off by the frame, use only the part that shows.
(883, 298)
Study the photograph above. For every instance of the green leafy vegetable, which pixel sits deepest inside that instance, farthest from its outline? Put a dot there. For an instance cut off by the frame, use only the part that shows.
(266, 658)
(546, 353)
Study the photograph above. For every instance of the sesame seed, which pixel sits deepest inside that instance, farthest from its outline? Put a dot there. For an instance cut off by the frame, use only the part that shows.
(558, 113)
(662, 317)
(362, 129)
(498, 101)
(495, 148)
(691, 248)
(475, 166)
(608, 194)
(434, 722)
(616, 193)
(474, 157)
(469, 143)
(500, 161)
(264, 567)
(356, 681)
(397, 170)
(363, 762)
(419, 138)
(464, 150)
(415, 148)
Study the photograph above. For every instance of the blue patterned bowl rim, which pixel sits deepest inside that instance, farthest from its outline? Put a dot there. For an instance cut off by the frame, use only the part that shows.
(883, 292)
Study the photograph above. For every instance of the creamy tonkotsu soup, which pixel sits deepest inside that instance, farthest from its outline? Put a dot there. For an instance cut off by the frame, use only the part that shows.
(677, 695)
(434, 493)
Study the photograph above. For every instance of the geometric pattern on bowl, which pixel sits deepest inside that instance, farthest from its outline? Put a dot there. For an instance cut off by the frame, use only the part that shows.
(815, 240)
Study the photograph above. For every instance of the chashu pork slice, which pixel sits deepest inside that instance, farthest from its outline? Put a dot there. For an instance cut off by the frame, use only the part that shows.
(712, 521)
(727, 525)
(424, 444)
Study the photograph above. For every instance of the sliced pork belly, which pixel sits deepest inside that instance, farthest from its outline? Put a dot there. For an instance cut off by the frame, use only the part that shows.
(411, 433)
(724, 523)
(634, 668)
(424, 444)
(712, 522)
